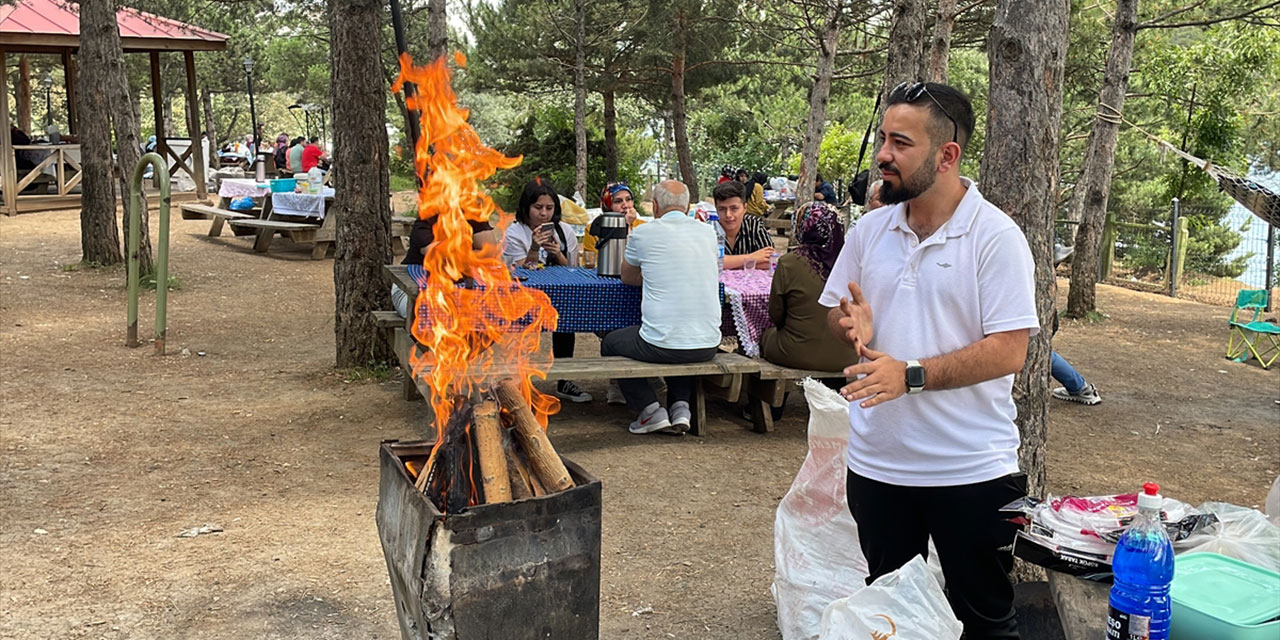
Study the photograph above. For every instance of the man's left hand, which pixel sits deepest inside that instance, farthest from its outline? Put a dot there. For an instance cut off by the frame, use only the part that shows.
(883, 379)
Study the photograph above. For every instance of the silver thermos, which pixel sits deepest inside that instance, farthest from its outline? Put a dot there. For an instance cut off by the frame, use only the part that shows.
(611, 244)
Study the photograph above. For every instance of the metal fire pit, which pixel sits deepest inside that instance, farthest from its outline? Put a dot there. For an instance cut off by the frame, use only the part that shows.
(523, 569)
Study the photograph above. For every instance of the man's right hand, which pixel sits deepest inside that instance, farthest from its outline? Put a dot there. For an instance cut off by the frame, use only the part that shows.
(855, 317)
(761, 257)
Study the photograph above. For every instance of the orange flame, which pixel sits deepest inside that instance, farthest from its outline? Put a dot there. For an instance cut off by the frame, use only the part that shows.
(472, 336)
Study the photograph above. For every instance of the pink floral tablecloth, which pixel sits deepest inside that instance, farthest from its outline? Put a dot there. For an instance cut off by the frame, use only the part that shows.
(243, 188)
(747, 293)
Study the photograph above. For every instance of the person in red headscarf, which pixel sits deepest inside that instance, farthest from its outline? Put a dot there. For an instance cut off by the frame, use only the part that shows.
(617, 198)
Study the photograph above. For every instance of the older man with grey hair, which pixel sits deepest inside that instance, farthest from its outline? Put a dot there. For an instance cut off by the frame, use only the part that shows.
(673, 260)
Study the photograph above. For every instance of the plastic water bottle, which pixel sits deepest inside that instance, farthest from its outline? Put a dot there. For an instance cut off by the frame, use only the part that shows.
(315, 180)
(714, 219)
(1143, 567)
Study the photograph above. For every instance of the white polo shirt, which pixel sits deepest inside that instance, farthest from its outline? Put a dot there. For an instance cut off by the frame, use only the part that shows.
(680, 303)
(973, 277)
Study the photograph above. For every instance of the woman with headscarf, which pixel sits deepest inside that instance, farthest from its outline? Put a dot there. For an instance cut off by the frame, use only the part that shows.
(282, 153)
(800, 337)
(617, 198)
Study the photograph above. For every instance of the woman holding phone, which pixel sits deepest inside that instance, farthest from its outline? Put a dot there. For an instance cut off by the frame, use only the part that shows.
(539, 238)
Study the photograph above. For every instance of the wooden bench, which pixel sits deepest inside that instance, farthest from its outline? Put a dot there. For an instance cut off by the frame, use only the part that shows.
(721, 376)
(197, 211)
(300, 232)
(401, 226)
(768, 388)
(387, 319)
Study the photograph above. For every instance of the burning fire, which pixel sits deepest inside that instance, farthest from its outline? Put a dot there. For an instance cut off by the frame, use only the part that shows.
(474, 334)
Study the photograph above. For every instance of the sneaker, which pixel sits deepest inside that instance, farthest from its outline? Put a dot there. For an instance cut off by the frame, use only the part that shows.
(681, 417)
(1087, 396)
(653, 418)
(614, 396)
(567, 390)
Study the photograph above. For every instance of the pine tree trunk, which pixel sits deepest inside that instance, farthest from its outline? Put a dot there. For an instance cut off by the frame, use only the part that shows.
(940, 50)
(128, 143)
(904, 63)
(580, 98)
(437, 29)
(363, 229)
(210, 130)
(1027, 47)
(818, 99)
(610, 137)
(680, 120)
(99, 233)
(1089, 201)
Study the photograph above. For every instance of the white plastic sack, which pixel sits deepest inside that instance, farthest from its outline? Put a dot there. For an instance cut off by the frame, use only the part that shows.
(907, 604)
(815, 540)
(1241, 533)
(183, 182)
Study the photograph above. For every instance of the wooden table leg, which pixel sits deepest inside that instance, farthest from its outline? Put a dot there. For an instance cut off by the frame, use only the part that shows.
(215, 229)
(698, 425)
(263, 240)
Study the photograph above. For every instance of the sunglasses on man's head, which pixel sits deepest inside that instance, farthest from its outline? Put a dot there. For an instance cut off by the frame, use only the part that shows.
(913, 91)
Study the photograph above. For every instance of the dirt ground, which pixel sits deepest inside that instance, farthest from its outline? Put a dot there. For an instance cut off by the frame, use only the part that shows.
(110, 452)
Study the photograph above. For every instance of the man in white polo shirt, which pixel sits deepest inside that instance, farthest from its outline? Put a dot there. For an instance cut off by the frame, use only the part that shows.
(673, 259)
(936, 290)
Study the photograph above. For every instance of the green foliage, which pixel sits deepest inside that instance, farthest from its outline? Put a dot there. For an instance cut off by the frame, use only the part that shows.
(837, 154)
(545, 140)
(374, 371)
(148, 282)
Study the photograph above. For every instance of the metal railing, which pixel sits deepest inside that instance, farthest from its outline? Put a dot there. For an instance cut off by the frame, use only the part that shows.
(162, 255)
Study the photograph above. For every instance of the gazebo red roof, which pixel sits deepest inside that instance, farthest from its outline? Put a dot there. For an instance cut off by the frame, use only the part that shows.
(31, 25)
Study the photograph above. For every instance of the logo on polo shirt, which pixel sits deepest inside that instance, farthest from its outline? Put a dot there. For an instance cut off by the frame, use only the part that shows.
(944, 265)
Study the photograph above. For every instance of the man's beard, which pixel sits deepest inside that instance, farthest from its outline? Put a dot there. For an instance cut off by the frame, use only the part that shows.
(910, 187)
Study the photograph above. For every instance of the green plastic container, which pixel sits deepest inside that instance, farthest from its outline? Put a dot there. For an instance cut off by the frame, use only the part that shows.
(1221, 598)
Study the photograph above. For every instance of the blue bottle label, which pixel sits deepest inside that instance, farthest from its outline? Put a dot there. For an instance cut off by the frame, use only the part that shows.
(1125, 626)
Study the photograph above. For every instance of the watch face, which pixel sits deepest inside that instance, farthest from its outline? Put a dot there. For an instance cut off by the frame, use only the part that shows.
(915, 376)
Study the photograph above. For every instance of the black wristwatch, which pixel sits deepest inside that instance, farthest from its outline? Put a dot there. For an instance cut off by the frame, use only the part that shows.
(915, 377)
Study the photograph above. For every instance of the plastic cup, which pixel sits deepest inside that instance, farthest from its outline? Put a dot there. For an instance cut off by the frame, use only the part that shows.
(749, 264)
(773, 261)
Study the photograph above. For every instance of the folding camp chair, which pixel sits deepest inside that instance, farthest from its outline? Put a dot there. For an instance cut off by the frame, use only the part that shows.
(1255, 337)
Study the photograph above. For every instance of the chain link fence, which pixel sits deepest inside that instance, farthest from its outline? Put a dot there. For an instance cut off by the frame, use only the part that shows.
(1156, 251)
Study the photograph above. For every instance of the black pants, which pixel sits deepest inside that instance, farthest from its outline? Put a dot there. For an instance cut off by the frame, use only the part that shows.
(627, 342)
(562, 344)
(974, 544)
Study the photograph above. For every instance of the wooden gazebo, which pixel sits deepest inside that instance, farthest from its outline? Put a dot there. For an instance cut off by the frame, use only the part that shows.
(53, 27)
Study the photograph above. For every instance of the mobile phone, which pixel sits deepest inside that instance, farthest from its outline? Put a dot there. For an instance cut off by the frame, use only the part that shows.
(547, 226)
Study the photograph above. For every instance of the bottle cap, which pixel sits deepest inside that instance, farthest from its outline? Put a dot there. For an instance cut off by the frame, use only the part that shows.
(1150, 497)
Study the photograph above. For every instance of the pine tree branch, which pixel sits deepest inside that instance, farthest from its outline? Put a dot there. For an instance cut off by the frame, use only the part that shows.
(1209, 21)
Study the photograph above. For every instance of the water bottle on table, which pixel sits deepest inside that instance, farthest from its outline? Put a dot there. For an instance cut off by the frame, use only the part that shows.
(1143, 567)
(714, 219)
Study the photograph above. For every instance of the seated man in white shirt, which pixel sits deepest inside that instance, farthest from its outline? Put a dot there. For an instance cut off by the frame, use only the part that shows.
(674, 260)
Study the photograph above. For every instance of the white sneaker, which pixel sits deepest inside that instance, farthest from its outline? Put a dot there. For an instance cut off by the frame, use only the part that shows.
(614, 396)
(681, 417)
(653, 418)
(1087, 396)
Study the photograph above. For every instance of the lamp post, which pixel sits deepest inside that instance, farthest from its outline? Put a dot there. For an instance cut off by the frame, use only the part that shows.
(253, 114)
(47, 83)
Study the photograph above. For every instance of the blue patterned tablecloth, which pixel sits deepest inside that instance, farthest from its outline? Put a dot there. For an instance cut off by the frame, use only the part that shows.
(586, 302)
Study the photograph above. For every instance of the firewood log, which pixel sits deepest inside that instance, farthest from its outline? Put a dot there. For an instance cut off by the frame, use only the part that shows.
(493, 466)
(533, 439)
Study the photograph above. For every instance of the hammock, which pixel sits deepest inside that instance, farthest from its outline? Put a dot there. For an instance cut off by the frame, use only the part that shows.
(1255, 197)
